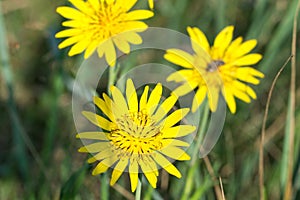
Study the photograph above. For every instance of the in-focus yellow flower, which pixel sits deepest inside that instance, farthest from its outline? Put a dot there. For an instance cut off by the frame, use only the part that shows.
(102, 25)
(223, 68)
(137, 135)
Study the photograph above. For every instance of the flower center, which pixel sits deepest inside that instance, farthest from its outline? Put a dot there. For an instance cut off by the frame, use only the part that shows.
(136, 134)
(109, 19)
(213, 66)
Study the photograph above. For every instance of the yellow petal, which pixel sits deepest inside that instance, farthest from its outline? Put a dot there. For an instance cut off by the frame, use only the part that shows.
(251, 92)
(128, 5)
(100, 103)
(251, 71)
(174, 143)
(165, 164)
(139, 15)
(121, 44)
(150, 175)
(131, 96)
(105, 153)
(92, 135)
(249, 59)
(179, 57)
(222, 41)
(154, 99)
(119, 99)
(144, 97)
(95, 4)
(133, 174)
(229, 100)
(79, 47)
(70, 13)
(249, 75)
(91, 49)
(231, 49)
(104, 165)
(186, 88)
(241, 95)
(73, 23)
(100, 168)
(94, 147)
(151, 4)
(131, 37)
(135, 26)
(82, 6)
(181, 75)
(109, 103)
(68, 33)
(199, 97)
(175, 153)
(175, 117)
(213, 98)
(198, 40)
(178, 131)
(165, 107)
(150, 162)
(98, 120)
(110, 1)
(118, 170)
(69, 41)
(244, 48)
(109, 51)
(224, 38)
(243, 87)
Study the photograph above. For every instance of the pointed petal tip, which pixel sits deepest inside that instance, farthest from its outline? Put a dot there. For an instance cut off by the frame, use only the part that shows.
(82, 150)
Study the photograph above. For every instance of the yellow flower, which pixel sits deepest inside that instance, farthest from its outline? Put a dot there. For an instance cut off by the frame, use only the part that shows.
(223, 68)
(137, 135)
(102, 25)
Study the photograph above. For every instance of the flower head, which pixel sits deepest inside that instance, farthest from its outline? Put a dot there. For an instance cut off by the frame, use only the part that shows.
(222, 68)
(136, 135)
(101, 25)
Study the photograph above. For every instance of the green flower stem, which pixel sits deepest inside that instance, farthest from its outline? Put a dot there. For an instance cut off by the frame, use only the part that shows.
(112, 76)
(194, 164)
(104, 187)
(201, 131)
(138, 190)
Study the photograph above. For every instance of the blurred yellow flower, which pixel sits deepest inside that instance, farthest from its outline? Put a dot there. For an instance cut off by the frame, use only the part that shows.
(102, 25)
(224, 68)
(136, 136)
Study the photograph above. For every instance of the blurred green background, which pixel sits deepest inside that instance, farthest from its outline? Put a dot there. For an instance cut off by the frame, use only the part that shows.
(38, 149)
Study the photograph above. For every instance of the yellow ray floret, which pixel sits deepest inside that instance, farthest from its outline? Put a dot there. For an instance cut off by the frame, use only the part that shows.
(151, 3)
(102, 26)
(223, 68)
(138, 135)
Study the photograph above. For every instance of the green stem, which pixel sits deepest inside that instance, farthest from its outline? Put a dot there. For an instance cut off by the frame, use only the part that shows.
(112, 76)
(138, 190)
(104, 187)
(193, 167)
(201, 131)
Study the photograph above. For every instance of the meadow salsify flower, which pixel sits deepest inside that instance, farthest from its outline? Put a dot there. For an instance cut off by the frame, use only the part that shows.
(137, 135)
(101, 25)
(222, 68)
